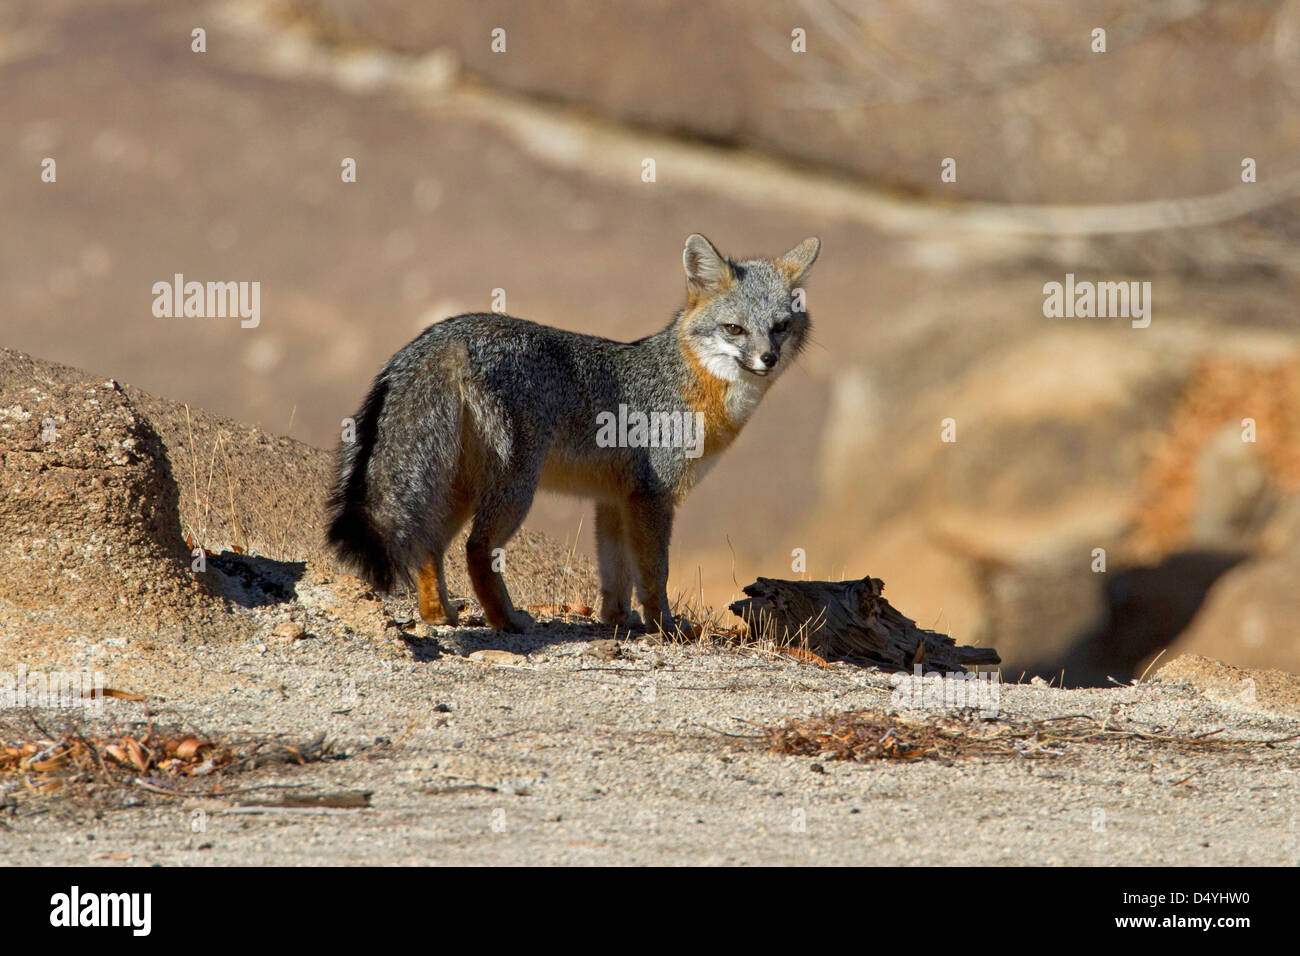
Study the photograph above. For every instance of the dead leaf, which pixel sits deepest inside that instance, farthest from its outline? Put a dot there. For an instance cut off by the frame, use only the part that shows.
(54, 763)
(122, 694)
(138, 756)
(188, 748)
(112, 692)
(808, 657)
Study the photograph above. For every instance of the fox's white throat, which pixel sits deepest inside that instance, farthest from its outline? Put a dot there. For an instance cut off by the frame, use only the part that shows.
(744, 391)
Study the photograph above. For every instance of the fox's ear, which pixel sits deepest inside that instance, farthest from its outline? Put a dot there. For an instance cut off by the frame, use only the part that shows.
(799, 260)
(707, 272)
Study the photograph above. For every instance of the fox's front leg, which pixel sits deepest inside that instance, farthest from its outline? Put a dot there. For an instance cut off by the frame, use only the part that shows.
(648, 525)
(615, 570)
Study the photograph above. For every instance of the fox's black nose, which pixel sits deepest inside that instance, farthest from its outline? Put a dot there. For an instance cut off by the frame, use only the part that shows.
(768, 358)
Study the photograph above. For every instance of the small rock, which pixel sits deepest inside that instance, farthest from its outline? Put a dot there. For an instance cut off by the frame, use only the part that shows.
(288, 631)
(817, 768)
(497, 657)
(605, 650)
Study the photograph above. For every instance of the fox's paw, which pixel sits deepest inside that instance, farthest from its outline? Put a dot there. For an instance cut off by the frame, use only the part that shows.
(439, 615)
(665, 624)
(622, 617)
(516, 622)
(687, 631)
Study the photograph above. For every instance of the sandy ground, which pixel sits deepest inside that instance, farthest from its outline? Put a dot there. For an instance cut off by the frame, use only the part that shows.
(647, 758)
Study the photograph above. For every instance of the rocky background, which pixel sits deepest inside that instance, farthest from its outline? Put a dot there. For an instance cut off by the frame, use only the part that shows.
(522, 170)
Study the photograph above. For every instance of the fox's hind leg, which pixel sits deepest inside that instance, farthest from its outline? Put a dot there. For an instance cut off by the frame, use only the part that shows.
(431, 581)
(431, 585)
(496, 519)
(615, 572)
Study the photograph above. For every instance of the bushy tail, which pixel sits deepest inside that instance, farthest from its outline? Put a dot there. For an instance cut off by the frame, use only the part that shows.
(352, 532)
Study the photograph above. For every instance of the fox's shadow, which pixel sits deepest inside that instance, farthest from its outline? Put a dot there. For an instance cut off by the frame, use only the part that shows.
(428, 644)
(253, 581)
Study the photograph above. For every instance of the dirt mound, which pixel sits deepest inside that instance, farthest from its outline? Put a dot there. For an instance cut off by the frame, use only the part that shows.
(87, 499)
(108, 494)
(1256, 689)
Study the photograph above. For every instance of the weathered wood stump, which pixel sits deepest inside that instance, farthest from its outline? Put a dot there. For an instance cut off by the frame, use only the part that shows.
(850, 620)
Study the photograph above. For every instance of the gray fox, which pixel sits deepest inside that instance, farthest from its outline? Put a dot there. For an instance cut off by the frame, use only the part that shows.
(481, 410)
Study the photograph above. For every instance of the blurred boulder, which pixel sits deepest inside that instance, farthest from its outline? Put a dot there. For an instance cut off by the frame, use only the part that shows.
(1094, 488)
(1250, 616)
(1183, 91)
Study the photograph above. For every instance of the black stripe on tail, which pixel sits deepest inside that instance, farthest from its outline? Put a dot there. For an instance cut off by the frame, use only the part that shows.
(351, 532)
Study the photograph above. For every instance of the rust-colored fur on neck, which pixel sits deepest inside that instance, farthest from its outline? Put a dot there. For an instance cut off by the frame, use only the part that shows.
(706, 395)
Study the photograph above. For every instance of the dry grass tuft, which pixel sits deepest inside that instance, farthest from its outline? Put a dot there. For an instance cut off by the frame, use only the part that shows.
(861, 737)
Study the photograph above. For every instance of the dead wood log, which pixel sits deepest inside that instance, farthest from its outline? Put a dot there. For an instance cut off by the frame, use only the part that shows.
(851, 620)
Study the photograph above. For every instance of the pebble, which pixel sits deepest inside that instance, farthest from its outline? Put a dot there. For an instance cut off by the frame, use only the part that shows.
(604, 650)
(497, 657)
(289, 631)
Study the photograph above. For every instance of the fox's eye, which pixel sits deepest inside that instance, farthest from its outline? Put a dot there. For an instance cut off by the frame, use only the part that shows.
(781, 327)
(733, 330)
